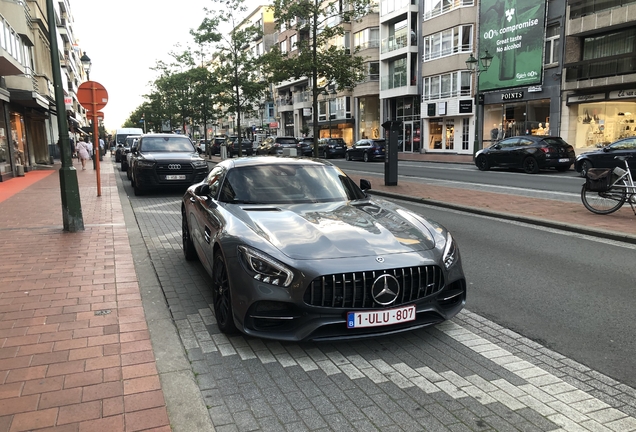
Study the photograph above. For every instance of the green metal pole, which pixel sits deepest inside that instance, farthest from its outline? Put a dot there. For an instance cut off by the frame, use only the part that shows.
(69, 186)
(476, 142)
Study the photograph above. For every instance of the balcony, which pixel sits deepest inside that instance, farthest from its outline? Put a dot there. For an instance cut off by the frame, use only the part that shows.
(582, 8)
(394, 43)
(600, 68)
(396, 80)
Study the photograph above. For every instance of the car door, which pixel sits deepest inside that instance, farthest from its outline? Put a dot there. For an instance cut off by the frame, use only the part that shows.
(623, 147)
(518, 152)
(497, 155)
(203, 216)
(359, 148)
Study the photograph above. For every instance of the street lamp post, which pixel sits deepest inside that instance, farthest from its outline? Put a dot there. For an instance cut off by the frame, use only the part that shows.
(86, 62)
(472, 64)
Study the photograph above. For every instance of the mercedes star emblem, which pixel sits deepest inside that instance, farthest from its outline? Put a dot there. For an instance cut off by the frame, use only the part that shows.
(385, 289)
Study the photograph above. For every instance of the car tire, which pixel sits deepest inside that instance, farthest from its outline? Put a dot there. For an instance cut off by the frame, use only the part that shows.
(365, 157)
(482, 163)
(585, 167)
(221, 295)
(530, 165)
(347, 156)
(189, 252)
(128, 174)
(137, 190)
(123, 167)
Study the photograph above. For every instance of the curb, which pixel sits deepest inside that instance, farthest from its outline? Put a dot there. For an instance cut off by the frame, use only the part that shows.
(184, 402)
(579, 229)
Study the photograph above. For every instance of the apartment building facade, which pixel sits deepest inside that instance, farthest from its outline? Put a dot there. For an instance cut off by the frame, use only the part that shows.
(28, 117)
(599, 77)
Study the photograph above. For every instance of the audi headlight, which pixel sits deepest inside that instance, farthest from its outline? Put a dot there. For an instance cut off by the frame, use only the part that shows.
(450, 252)
(199, 163)
(265, 268)
(145, 164)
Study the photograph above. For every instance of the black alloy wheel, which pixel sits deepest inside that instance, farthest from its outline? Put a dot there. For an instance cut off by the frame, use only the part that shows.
(530, 165)
(189, 252)
(347, 156)
(585, 167)
(366, 157)
(482, 163)
(222, 298)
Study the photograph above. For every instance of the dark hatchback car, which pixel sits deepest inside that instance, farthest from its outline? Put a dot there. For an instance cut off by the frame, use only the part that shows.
(367, 150)
(529, 152)
(605, 157)
(332, 148)
(163, 160)
(276, 145)
(216, 145)
(297, 251)
(247, 147)
(306, 146)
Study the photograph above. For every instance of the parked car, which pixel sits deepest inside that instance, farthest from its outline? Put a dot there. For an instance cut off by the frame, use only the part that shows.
(367, 150)
(216, 144)
(162, 160)
(605, 156)
(129, 156)
(274, 145)
(123, 158)
(332, 147)
(305, 146)
(202, 145)
(297, 251)
(247, 148)
(529, 152)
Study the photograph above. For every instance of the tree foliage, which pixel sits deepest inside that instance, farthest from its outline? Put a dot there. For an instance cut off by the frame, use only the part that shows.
(235, 69)
(316, 56)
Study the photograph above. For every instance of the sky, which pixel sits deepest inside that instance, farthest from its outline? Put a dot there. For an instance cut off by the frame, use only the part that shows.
(125, 38)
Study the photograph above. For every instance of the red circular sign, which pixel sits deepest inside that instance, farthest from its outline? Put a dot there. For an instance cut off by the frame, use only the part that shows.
(92, 95)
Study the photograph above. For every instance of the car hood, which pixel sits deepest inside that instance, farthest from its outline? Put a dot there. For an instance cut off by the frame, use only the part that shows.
(338, 230)
(171, 156)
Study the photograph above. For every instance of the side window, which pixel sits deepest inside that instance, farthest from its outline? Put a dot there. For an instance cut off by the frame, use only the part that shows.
(214, 180)
(507, 143)
(525, 142)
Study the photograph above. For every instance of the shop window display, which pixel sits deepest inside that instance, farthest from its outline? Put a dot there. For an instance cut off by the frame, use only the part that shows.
(601, 123)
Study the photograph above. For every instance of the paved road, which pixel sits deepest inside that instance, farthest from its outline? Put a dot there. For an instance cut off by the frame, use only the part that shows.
(469, 374)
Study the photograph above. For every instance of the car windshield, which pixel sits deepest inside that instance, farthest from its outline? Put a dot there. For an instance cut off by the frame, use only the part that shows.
(167, 144)
(288, 184)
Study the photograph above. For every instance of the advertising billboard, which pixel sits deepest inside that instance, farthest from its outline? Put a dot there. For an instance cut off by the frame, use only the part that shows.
(513, 32)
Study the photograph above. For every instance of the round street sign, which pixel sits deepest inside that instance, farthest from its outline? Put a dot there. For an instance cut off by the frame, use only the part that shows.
(92, 95)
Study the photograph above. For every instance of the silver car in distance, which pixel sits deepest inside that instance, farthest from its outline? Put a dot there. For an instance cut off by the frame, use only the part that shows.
(297, 251)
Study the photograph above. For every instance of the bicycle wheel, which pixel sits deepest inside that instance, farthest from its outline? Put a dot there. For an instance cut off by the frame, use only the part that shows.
(604, 202)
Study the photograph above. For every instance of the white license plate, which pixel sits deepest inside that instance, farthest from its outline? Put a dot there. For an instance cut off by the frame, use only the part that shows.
(381, 317)
(175, 177)
(338, 147)
(564, 160)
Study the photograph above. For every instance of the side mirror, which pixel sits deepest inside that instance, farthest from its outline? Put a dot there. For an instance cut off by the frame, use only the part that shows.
(199, 150)
(496, 146)
(365, 185)
(607, 149)
(202, 190)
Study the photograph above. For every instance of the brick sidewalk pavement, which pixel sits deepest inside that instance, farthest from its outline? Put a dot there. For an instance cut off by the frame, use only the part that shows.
(75, 352)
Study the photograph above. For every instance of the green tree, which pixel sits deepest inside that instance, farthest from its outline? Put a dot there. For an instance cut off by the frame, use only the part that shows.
(316, 56)
(234, 68)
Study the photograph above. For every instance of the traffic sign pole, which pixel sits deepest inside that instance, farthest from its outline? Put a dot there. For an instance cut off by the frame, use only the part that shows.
(93, 96)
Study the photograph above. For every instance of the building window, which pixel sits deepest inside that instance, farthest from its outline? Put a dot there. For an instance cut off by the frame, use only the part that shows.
(433, 8)
(373, 71)
(610, 44)
(456, 40)
(367, 38)
(465, 132)
(283, 47)
(446, 86)
(552, 44)
(293, 40)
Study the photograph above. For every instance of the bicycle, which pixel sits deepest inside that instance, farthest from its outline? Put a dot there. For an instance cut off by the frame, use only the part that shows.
(606, 190)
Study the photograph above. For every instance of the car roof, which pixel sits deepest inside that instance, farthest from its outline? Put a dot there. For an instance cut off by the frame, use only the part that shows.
(274, 160)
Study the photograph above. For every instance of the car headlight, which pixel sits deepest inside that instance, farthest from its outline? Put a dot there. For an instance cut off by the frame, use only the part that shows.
(265, 268)
(450, 252)
(199, 163)
(145, 164)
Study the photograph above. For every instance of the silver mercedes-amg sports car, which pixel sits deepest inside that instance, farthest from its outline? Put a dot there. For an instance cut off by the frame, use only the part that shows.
(297, 251)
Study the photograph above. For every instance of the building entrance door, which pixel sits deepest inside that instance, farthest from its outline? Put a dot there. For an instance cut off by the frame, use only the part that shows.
(408, 137)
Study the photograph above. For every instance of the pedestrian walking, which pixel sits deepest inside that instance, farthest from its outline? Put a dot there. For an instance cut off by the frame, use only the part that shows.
(83, 151)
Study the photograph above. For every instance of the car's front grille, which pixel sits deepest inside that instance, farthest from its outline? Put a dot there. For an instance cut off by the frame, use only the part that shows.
(167, 168)
(353, 290)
